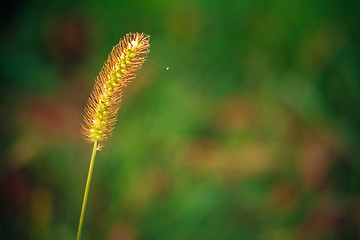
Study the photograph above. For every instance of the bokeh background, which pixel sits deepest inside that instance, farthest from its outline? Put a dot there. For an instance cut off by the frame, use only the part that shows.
(252, 133)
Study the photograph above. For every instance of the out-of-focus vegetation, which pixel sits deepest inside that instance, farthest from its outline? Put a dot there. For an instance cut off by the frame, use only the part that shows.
(253, 133)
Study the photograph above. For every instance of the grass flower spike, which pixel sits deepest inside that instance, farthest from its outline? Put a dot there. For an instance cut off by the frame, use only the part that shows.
(120, 68)
(100, 113)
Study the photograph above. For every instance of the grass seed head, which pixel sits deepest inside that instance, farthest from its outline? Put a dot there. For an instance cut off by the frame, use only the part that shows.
(120, 68)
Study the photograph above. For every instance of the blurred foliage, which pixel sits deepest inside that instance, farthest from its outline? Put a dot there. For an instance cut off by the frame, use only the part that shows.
(252, 133)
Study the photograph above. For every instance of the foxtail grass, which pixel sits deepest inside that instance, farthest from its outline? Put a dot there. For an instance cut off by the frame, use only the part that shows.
(125, 59)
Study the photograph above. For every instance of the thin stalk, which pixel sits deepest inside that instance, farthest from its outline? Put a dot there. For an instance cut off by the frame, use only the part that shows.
(88, 181)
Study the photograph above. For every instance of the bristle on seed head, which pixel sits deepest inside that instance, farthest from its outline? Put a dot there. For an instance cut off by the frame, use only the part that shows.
(120, 68)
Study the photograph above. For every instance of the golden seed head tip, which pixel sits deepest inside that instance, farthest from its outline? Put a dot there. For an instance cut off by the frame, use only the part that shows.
(125, 59)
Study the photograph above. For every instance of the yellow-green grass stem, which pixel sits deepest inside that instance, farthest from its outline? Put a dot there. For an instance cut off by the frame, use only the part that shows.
(88, 181)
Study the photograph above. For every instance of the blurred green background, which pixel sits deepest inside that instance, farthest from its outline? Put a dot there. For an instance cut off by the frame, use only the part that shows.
(253, 132)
